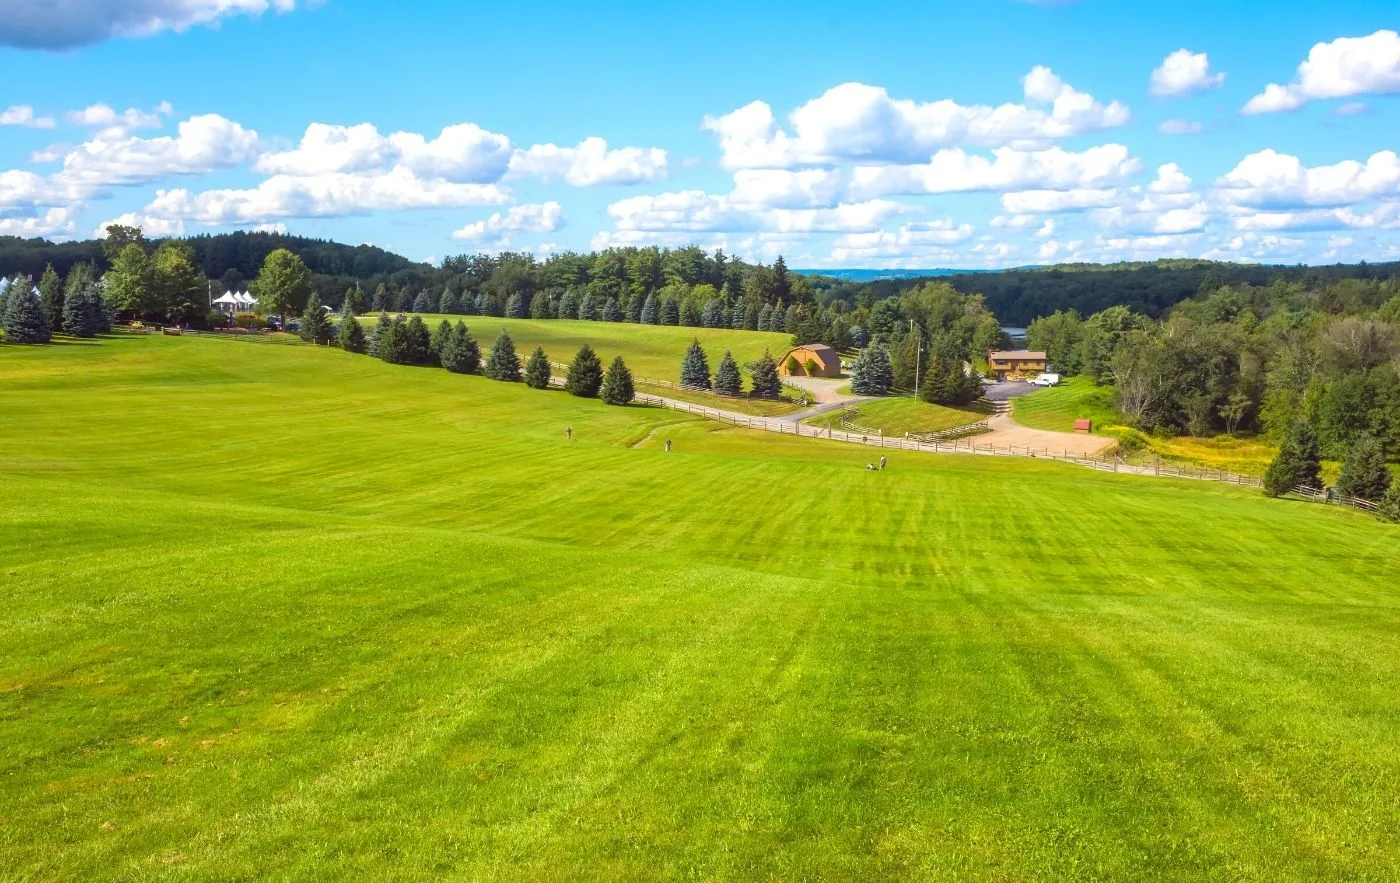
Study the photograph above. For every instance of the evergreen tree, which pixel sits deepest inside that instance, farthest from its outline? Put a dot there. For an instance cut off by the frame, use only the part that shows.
(695, 370)
(82, 311)
(670, 312)
(1364, 473)
(765, 318)
(5, 295)
(650, 314)
(540, 307)
(421, 303)
(537, 369)
(1297, 463)
(872, 374)
(393, 344)
(347, 308)
(350, 301)
(857, 337)
(24, 320)
(617, 385)
(751, 313)
(585, 374)
(515, 306)
(51, 297)
(448, 303)
(314, 326)
(792, 318)
(712, 316)
(418, 342)
(728, 381)
(690, 316)
(586, 308)
(350, 335)
(469, 307)
(568, 304)
(1389, 507)
(441, 335)
(481, 305)
(611, 312)
(737, 316)
(404, 302)
(377, 336)
(459, 352)
(380, 302)
(503, 363)
(633, 313)
(766, 383)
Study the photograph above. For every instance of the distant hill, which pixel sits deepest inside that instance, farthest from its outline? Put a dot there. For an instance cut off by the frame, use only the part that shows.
(858, 275)
(231, 257)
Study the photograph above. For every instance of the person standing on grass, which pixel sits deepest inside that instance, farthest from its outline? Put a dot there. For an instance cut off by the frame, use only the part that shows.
(668, 446)
(569, 433)
(882, 464)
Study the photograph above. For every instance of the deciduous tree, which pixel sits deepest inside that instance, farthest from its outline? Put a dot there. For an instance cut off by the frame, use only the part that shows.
(283, 285)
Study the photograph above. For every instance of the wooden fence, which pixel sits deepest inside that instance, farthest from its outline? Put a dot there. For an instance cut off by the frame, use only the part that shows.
(956, 446)
(1336, 498)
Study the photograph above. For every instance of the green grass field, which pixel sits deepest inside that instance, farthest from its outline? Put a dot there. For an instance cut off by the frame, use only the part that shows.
(280, 611)
(897, 415)
(652, 351)
(1056, 408)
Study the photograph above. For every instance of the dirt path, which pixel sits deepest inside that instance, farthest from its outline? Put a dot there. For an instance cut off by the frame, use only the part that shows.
(1007, 433)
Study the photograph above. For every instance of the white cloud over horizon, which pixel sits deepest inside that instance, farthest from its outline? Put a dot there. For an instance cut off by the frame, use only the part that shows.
(1343, 68)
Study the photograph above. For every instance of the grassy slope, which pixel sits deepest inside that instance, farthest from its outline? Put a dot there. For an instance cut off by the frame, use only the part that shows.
(896, 416)
(1057, 408)
(653, 351)
(276, 611)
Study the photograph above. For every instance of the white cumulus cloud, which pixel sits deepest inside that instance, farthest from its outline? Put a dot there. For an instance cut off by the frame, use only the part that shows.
(1272, 180)
(955, 170)
(1342, 68)
(23, 115)
(1185, 73)
(203, 144)
(591, 163)
(496, 230)
(863, 123)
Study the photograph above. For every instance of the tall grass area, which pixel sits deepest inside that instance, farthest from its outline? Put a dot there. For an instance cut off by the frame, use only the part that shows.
(896, 416)
(284, 612)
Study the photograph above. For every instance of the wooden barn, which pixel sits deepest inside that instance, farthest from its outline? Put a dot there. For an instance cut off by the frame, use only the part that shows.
(810, 360)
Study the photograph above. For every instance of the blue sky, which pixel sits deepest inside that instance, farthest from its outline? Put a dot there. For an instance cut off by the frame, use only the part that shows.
(881, 134)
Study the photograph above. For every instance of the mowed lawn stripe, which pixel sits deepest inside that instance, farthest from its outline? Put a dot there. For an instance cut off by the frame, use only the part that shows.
(297, 613)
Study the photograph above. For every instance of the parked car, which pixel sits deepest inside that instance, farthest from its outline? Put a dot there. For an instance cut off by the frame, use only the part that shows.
(1046, 380)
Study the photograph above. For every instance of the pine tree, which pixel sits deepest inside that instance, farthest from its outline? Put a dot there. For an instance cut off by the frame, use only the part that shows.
(695, 370)
(751, 317)
(712, 315)
(690, 315)
(503, 363)
(441, 335)
(393, 343)
(737, 316)
(633, 312)
(765, 318)
(728, 381)
(380, 302)
(51, 297)
(350, 335)
(461, 353)
(418, 342)
(857, 337)
(82, 312)
(448, 303)
(872, 374)
(350, 301)
(515, 306)
(540, 307)
(481, 304)
(670, 312)
(586, 308)
(1364, 473)
(650, 314)
(611, 312)
(314, 326)
(24, 320)
(585, 374)
(766, 383)
(1297, 463)
(421, 303)
(347, 308)
(568, 304)
(377, 336)
(792, 318)
(537, 369)
(469, 304)
(1389, 507)
(617, 385)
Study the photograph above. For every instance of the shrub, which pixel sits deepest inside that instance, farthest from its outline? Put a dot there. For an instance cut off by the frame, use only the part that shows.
(1389, 507)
